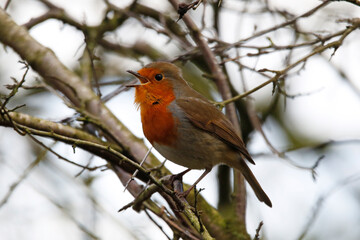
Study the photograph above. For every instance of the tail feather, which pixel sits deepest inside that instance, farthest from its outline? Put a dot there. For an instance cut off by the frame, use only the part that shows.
(255, 185)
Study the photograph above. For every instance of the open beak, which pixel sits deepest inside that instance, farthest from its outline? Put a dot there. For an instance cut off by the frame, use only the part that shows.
(142, 79)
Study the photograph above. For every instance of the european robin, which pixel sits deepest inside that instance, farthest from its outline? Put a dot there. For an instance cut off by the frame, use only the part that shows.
(187, 129)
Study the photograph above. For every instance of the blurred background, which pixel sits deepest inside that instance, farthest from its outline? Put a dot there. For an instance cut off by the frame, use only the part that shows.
(317, 121)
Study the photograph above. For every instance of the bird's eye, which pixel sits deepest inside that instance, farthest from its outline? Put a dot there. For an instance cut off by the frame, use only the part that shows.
(158, 77)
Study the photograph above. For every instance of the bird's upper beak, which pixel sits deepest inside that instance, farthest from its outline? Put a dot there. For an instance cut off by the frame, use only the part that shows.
(142, 79)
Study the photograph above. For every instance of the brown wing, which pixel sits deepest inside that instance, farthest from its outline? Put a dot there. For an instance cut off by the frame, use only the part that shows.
(213, 121)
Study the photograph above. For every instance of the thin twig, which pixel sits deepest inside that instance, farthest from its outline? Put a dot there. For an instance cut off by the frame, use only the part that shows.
(17, 86)
(157, 224)
(197, 213)
(7, 4)
(279, 26)
(92, 57)
(257, 234)
(117, 91)
(23, 176)
(137, 170)
(280, 73)
(320, 202)
(59, 156)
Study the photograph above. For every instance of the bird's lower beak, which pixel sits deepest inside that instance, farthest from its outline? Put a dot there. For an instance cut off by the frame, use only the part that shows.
(142, 79)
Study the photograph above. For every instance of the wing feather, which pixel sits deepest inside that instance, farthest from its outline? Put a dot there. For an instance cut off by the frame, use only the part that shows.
(219, 125)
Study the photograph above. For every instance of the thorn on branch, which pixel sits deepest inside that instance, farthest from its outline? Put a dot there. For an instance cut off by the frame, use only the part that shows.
(335, 49)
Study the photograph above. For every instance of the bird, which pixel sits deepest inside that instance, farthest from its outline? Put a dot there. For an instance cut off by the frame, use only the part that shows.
(186, 128)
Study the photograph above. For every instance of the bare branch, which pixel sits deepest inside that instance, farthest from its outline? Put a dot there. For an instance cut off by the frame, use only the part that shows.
(355, 2)
(280, 73)
(284, 24)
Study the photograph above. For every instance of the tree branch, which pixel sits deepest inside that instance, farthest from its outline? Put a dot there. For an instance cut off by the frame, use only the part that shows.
(44, 61)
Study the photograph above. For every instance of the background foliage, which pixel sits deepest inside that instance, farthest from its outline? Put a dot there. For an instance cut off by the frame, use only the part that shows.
(291, 66)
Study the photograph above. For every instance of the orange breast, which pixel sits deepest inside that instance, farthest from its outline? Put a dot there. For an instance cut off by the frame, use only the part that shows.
(158, 124)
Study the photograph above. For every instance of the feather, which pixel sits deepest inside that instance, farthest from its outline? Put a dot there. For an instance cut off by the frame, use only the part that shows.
(219, 125)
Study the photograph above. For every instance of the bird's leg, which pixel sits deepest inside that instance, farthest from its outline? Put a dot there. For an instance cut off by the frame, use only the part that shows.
(184, 194)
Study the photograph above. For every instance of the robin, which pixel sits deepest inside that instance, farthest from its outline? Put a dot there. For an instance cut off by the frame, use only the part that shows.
(187, 129)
